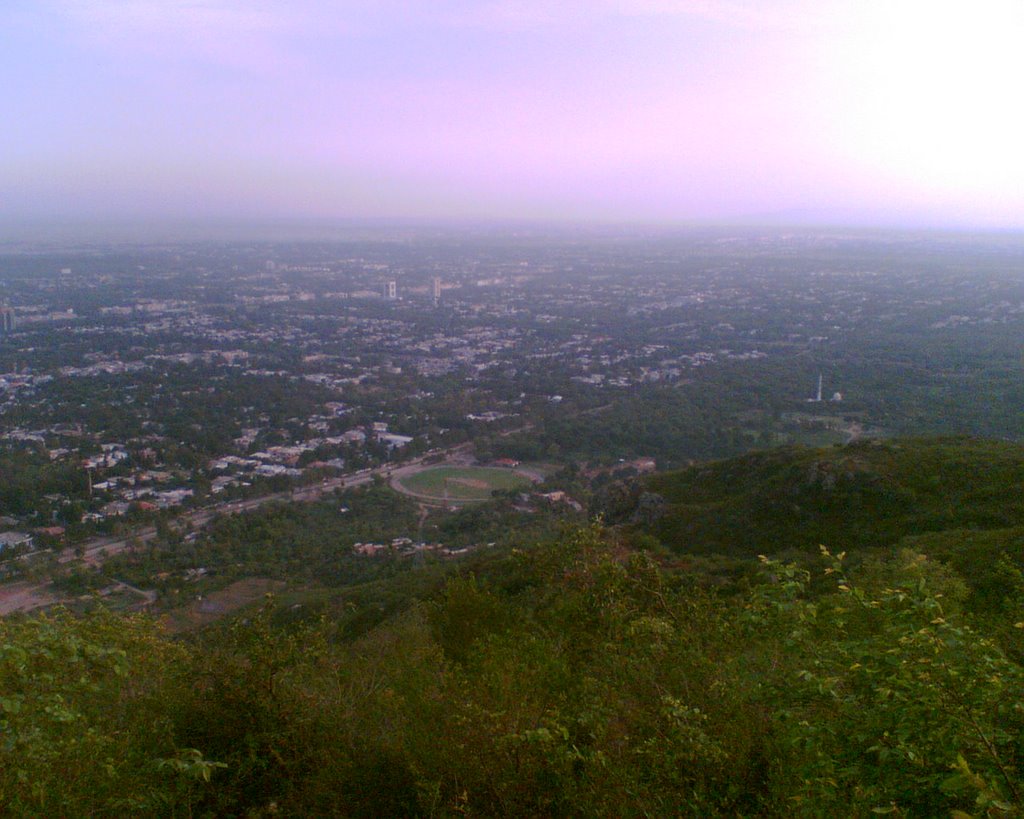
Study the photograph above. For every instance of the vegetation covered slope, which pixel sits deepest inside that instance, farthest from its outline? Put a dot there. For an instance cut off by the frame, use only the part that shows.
(862, 495)
(574, 677)
(578, 680)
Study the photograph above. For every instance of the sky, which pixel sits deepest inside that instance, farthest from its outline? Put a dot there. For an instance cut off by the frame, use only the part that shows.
(874, 112)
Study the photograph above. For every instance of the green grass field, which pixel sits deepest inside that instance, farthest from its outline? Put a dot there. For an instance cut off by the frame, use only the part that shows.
(461, 484)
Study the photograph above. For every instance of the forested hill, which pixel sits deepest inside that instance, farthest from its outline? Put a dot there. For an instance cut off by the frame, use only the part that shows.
(584, 676)
(863, 495)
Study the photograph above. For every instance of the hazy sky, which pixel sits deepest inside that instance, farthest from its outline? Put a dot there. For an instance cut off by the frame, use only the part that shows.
(874, 111)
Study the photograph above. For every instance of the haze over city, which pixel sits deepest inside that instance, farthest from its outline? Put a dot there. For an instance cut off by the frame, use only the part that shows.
(869, 113)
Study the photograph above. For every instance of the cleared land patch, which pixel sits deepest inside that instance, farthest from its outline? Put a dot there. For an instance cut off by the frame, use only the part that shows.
(459, 484)
(220, 603)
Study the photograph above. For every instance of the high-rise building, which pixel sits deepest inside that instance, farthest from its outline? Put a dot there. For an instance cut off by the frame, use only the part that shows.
(390, 290)
(6, 320)
(437, 289)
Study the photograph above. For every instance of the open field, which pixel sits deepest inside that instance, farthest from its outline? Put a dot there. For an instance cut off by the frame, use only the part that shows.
(220, 603)
(460, 484)
(24, 596)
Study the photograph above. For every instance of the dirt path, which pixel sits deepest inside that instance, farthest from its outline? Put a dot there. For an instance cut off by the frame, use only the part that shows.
(432, 500)
(534, 475)
(424, 514)
(148, 597)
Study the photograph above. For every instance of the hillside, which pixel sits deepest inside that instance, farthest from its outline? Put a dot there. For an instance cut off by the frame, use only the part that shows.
(863, 495)
(580, 677)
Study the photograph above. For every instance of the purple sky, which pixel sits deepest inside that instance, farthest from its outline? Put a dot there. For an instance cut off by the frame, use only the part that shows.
(869, 111)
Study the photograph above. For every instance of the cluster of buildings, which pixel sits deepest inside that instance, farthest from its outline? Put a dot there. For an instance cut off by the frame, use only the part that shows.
(12, 540)
(188, 353)
(405, 547)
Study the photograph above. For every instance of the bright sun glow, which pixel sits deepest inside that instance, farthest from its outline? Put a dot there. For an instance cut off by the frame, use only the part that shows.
(935, 91)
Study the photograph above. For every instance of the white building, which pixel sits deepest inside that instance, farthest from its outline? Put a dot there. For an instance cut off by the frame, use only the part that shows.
(9, 540)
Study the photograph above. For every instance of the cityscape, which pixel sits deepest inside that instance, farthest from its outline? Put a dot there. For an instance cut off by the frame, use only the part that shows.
(138, 381)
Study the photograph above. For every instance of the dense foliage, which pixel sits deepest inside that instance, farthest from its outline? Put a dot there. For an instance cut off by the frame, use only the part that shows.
(862, 495)
(579, 676)
(576, 678)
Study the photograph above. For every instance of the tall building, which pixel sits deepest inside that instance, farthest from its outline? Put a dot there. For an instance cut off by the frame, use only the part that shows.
(390, 290)
(6, 320)
(437, 289)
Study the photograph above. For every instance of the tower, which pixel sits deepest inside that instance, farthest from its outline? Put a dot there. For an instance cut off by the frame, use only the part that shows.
(817, 396)
(390, 290)
(437, 289)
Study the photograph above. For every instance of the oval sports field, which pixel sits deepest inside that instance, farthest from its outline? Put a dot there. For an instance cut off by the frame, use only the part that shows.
(460, 484)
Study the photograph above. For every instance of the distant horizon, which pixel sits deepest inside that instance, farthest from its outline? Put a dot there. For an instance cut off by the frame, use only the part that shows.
(118, 232)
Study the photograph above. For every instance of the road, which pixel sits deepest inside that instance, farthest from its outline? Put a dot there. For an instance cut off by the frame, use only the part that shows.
(94, 552)
(26, 596)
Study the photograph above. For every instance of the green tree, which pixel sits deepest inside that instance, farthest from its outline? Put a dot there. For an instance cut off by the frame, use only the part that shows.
(881, 694)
